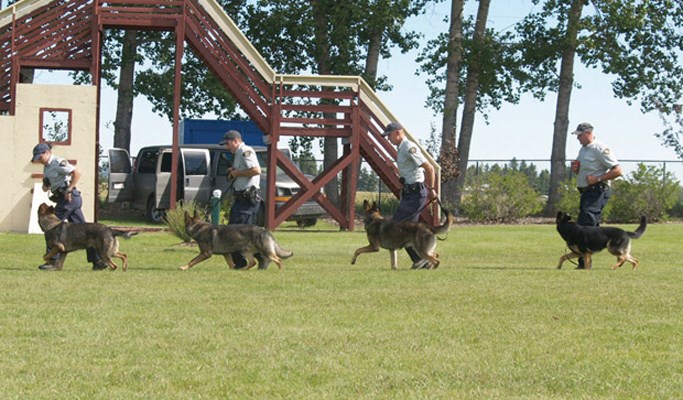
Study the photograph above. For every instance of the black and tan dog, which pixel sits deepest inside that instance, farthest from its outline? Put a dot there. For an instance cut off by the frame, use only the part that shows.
(227, 239)
(583, 241)
(393, 236)
(63, 237)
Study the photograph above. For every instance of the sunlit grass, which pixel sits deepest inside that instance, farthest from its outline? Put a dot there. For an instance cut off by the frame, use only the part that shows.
(496, 320)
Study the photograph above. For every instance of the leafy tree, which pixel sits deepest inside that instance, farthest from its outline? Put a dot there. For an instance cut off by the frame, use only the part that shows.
(672, 135)
(330, 37)
(153, 53)
(636, 42)
(484, 77)
(368, 181)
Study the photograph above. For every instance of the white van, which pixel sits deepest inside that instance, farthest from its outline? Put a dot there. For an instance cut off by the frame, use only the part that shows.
(201, 170)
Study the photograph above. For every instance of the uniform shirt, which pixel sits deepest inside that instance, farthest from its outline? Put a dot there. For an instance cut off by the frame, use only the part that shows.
(595, 159)
(58, 172)
(245, 158)
(408, 161)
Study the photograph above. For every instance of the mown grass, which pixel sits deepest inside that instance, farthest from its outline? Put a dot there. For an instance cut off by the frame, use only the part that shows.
(496, 320)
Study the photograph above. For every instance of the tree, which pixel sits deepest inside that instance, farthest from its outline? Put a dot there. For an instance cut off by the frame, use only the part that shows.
(153, 53)
(636, 42)
(486, 77)
(124, 103)
(330, 37)
(449, 154)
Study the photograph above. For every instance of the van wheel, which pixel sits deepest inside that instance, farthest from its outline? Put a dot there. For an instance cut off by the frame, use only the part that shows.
(306, 222)
(154, 214)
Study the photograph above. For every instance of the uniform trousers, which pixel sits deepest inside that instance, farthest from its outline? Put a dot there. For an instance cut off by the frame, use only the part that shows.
(243, 211)
(408, 207)
(593, 201)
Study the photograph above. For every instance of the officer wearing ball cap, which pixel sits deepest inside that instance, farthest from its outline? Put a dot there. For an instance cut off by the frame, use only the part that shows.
(595, 166)
(246, 175)
(60, 178)
(417, 176)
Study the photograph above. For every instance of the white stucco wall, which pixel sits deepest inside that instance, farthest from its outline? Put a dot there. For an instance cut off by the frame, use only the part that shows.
(19, 133)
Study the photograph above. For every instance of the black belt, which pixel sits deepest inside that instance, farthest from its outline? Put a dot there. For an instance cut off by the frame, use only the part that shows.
(597, 186)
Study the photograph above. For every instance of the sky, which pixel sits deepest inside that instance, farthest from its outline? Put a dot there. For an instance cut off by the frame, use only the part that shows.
(522, 131)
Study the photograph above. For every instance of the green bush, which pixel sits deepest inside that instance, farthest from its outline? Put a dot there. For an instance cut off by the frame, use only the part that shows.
(649, 191)
(175, 219)
(569, 197)
(501, 196)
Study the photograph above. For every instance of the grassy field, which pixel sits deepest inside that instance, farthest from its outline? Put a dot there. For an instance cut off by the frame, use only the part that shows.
(495, 321)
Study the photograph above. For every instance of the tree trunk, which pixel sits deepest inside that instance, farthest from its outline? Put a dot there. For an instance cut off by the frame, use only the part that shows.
(372, 60)
(322, 51)
(448, 157)
(470, 103)
(124, 104)
(558, 158)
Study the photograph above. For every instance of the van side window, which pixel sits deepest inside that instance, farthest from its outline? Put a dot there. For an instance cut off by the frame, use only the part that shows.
(166, 161)
(224, 162)
(147, 162)
(195, 164)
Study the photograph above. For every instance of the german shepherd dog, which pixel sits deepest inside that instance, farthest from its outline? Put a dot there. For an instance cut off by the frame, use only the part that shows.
(393, 236)
(227, 239)
(64, 237)
(583, 241)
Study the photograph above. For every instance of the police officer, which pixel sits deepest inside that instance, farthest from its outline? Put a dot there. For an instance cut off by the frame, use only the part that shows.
(417, 176)
(595, 166)
(246, 175)
(60, 178)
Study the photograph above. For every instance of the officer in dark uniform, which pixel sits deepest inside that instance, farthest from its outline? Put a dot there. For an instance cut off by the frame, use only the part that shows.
(60, 178)
(595, 166)
(245, 174)
(417, 177)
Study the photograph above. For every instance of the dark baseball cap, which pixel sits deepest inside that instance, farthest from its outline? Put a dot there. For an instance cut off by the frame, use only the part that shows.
(393, 126)
(230, 135)
(39, 149)
(583, 128)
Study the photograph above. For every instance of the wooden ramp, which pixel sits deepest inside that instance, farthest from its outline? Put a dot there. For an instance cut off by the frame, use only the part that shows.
(66, 35)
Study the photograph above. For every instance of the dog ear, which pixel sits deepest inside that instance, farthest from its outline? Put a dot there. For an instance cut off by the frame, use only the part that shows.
(196, 214)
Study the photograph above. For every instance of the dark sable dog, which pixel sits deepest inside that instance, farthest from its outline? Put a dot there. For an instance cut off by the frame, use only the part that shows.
(63, 238)
(583, 241)
(393, 236)
(228, 239)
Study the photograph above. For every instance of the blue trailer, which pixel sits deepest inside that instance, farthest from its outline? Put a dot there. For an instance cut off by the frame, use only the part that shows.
(210, 131)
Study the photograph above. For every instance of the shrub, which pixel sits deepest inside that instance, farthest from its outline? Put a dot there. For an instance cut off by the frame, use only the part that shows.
(501, 196)
(570, 198)
(649, 191)
(175, 219)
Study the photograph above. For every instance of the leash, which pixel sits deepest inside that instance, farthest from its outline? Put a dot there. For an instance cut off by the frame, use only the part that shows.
(571, 260)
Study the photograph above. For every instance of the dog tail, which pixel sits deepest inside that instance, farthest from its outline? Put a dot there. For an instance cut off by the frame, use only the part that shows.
(282, 253)
(443, 228)
(641, 229)
(124, 234)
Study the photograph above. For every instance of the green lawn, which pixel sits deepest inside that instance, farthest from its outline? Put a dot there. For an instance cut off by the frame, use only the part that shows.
(495, 321)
